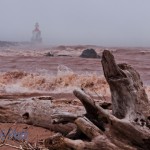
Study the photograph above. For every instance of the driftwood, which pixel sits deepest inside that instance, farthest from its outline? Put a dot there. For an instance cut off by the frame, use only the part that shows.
(129, 132)
(37, 111)
(126, 128)
(129, 99)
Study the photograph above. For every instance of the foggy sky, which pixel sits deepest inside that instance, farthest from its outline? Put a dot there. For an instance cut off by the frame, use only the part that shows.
(100, 22)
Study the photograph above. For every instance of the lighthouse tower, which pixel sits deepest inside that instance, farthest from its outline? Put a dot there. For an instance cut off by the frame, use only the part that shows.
(36, 35)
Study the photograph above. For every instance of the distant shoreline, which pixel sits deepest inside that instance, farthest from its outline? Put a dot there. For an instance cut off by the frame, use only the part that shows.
(64, 46)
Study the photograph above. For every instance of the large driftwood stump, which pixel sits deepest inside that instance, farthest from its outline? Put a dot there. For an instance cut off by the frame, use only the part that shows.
(129, 99)
(127, 128)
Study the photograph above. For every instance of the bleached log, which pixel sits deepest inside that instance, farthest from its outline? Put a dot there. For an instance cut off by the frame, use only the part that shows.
(36, 112)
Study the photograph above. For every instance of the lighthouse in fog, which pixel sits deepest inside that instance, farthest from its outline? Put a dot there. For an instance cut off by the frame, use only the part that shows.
(36, 35)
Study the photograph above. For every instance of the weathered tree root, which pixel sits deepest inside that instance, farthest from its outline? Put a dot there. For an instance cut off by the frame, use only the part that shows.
(131, 132)
(127, 127)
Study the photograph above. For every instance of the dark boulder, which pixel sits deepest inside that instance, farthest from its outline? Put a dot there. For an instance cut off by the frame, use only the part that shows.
(49, 54)
(89, 53)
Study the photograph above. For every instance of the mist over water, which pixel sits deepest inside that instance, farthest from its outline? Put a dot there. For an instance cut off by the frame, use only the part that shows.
(104, 22)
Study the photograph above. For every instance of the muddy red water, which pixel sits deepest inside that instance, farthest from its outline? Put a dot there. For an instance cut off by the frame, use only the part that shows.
(35, 61)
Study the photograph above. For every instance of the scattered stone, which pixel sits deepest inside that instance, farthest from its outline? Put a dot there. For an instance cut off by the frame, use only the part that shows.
(89, 53)
(49, 54)
(64, 55)
(45, 98)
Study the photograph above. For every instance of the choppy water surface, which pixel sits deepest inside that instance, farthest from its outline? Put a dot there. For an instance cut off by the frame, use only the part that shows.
(25, 70)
